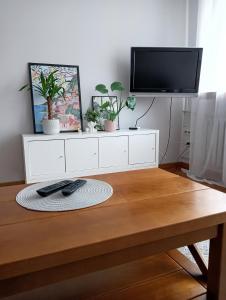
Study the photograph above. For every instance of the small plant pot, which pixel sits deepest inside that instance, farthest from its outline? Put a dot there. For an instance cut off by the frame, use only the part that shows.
(109, 125)
(91, 126)
(51, 126)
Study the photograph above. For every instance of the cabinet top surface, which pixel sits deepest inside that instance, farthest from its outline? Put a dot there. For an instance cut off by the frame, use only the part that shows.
(68, 135)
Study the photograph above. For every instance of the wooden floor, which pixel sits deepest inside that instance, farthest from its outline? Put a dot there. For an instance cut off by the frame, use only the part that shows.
(156, 277)
(176, 169)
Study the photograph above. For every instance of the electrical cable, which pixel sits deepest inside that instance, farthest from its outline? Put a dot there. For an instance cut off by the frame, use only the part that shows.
(182, 152)
(169, 135)
(145, 112)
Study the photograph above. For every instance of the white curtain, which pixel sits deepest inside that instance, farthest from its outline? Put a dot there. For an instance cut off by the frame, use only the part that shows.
(208, 115)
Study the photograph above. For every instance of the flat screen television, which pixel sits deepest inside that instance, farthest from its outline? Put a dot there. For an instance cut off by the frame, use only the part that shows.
(165, 70)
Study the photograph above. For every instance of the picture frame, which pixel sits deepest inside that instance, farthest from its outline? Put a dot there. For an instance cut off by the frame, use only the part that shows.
(99, 100)
(67, 109)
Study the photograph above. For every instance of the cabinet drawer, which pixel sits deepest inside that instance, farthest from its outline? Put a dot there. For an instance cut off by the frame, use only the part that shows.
(46, 157)
(142, 149)
(113, 151)
(81, 154)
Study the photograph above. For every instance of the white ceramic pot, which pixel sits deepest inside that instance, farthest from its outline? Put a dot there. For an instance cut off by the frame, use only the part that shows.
(109, 126)
(51, 126)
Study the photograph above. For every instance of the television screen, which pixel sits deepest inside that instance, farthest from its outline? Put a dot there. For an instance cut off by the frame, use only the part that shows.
(165, 70)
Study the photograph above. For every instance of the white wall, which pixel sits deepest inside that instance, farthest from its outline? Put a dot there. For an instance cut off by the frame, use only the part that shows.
(192, 22)
(97, 36)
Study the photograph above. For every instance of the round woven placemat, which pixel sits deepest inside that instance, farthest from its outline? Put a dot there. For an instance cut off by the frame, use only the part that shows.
(92, 193)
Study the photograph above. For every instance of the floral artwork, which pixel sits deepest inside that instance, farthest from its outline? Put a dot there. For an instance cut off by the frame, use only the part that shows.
(66, 108)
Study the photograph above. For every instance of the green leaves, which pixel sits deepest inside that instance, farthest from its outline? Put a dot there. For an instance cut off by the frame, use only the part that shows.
(43, 90)
(131, 102)
(112, 116)
(48, 86)
(92, 115)
(40, 91)
(117, 86)
(111, 109)
(26, 86)
(105, 105)
(102, 89)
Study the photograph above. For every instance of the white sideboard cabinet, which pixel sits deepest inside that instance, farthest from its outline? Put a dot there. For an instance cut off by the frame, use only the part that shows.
(68, 155)
(113, 151)
(81, 154)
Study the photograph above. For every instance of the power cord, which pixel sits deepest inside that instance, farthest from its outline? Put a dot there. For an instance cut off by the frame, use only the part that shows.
(144, 114)
(187, 146)
(170, 127)
(135, 127)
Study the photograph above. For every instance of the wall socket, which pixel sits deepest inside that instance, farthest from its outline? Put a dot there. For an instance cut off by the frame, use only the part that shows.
(187, 131)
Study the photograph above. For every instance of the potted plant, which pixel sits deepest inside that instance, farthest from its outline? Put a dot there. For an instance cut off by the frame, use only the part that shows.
(112, 108)
(49, 87)
(92, 117)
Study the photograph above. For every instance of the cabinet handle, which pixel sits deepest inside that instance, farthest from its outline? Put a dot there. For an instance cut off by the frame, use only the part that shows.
(94, 153)
(125, 151)
(61, 156)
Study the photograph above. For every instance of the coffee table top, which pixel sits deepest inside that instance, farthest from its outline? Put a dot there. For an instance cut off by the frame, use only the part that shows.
(147, 205)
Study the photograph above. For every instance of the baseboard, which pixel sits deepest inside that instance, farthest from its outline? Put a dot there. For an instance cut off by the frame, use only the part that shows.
(174, 165)
(9, 183)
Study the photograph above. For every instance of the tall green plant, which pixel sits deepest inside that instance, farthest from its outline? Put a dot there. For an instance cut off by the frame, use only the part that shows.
(48, 87)
(112, 108)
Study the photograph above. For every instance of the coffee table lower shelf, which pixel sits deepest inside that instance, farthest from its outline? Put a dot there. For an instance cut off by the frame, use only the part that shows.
(168, 276)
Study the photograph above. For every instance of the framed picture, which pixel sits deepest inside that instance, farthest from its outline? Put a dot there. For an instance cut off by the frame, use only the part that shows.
(99, 100)
(66, 108)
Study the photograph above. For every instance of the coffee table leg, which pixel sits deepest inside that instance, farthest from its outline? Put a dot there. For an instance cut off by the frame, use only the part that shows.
(216, 288)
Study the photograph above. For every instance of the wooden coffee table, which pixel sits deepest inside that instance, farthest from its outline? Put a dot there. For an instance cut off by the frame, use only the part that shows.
(150, 212)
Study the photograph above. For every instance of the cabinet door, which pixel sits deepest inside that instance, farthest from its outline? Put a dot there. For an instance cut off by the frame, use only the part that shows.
(46, 158)
(81, 154)
(113, 151)
(142, 148)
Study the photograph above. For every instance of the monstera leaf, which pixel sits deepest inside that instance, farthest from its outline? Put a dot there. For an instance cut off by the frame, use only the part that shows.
(117, 86)
(102, 88)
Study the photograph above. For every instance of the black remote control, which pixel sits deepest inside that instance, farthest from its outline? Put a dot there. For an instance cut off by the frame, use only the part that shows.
(53, 188)
(71, 188)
